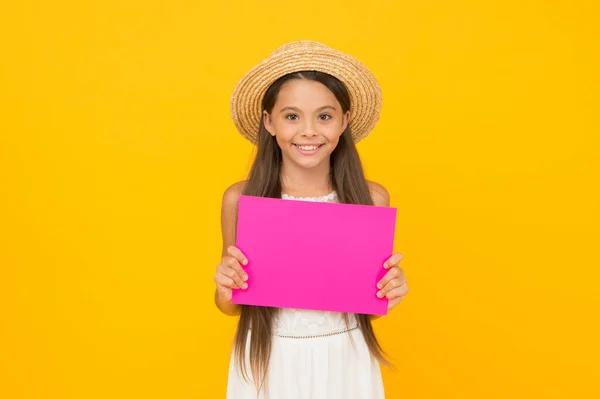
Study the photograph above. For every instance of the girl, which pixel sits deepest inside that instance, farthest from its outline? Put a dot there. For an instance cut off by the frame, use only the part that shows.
(305, 107)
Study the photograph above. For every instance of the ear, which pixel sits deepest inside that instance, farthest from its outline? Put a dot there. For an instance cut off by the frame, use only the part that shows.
(268, 124)
(345, 121)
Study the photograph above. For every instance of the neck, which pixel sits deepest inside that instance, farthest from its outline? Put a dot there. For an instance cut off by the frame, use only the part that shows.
(300, 182)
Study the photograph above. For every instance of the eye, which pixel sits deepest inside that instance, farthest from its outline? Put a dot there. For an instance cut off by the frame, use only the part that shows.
(292, 115)
(327, 116)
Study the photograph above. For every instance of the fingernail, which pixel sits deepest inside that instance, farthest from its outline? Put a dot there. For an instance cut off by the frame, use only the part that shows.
(379, 286)
(245, 277)
(379, 294)
(386, 266)
(244, 286)
(245, 262)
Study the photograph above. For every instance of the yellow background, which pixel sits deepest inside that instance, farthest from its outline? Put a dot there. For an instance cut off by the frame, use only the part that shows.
(116, 145)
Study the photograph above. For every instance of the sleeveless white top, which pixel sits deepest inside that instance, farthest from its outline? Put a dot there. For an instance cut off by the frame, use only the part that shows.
(300, 322)
(312, 355)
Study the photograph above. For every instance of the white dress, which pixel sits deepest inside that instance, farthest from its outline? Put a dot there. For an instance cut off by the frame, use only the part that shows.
(318, 367)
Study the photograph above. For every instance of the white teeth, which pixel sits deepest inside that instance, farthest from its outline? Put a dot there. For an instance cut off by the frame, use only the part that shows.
(308, 147)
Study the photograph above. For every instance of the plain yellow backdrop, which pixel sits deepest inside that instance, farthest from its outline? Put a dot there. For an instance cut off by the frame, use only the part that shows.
(116, 145)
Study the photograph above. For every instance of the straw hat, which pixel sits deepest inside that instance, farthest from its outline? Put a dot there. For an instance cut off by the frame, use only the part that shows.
(365, 93)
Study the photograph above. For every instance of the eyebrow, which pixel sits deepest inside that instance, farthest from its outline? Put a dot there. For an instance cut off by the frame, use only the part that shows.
(298, 110)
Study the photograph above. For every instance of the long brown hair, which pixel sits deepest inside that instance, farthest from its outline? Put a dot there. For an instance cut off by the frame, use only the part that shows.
(264, 180)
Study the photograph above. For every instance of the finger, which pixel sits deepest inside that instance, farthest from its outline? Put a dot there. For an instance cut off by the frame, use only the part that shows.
(397, 292)
(233, 263)
(229, 272)
(232, 274)
(236, 253)
(224, 281)
(393, 261)
(394, 272)
(392, 284)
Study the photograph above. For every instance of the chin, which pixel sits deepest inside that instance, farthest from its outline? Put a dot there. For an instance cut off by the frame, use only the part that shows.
(305, 162)
(309, 164)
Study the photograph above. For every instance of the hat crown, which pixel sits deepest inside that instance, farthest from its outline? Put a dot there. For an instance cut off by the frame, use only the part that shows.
(300, 44)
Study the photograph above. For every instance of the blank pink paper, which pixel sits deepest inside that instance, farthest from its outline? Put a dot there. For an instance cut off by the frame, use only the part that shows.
(314, 255)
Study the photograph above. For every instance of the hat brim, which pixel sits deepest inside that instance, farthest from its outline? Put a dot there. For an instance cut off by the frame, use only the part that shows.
(365, 92)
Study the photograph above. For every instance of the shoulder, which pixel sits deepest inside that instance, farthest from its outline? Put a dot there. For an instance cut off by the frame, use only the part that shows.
(231, 197)
(380, 195)
(232, 194)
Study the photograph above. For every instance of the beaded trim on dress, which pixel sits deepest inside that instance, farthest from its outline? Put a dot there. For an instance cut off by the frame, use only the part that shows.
(324, 198)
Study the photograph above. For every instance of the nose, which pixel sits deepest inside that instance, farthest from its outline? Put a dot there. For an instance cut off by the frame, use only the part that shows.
(310, 129)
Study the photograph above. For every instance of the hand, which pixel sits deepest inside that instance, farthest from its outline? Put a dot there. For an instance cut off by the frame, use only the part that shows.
(230, 274)
(393, 284)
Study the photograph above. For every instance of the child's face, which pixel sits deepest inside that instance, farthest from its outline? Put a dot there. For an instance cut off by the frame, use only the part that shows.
(307, 121)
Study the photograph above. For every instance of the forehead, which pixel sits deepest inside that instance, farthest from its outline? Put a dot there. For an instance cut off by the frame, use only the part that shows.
(307, 93)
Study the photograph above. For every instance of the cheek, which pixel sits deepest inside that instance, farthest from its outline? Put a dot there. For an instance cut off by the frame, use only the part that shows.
(283, 131)
(332, 134)
(284, 136)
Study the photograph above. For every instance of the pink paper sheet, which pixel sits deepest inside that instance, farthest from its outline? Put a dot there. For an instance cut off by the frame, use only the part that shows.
(314, 255)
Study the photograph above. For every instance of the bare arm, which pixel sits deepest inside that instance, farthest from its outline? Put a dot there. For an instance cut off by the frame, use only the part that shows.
(229, 272)
(380, 197)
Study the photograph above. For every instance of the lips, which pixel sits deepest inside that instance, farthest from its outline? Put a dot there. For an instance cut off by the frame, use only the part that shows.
(308, 149)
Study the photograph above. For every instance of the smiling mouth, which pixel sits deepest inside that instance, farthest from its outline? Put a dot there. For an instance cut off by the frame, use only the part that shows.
(308, 148)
